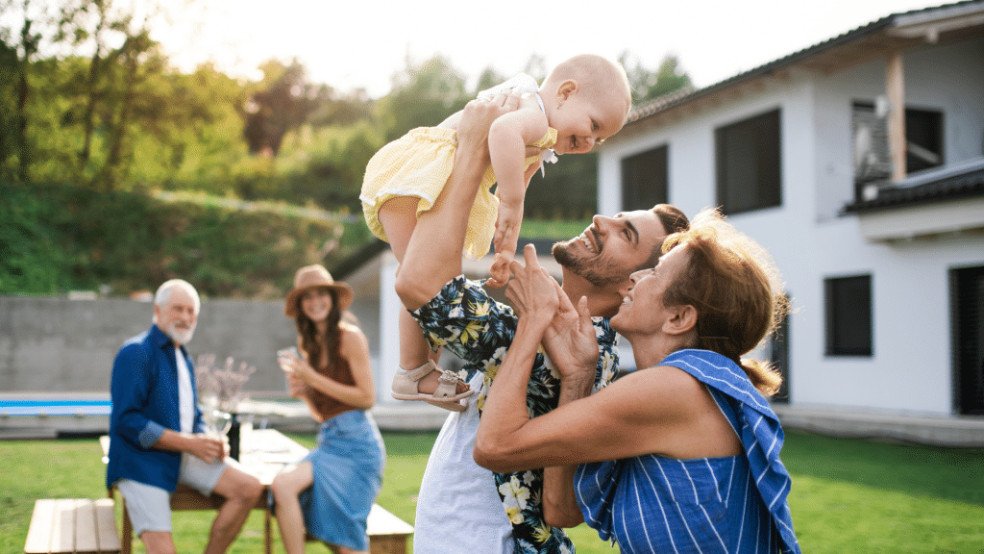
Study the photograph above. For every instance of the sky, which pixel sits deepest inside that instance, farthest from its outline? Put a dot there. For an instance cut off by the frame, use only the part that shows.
(362, 43)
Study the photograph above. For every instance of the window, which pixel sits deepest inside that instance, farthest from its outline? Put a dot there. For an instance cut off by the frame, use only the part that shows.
(872, 160)
(967, 307)
(749, 171)
(779, 357)
(923, 139)
(645, 179)
(848, 315)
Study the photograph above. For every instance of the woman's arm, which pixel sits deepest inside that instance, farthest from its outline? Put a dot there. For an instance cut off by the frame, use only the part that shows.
(660, 410)
(355, 350)
(650, 411)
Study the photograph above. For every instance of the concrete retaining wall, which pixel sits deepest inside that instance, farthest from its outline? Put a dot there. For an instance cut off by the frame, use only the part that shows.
(59, 345)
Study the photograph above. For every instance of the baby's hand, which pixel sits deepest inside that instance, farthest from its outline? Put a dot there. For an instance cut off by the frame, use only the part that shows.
(500, 270)
(507, 228)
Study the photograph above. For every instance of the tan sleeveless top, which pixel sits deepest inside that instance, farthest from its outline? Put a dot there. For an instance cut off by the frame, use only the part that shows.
(326, 406)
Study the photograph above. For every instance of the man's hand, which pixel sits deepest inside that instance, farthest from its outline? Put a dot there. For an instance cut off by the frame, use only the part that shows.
(570, 340)
(532, 291)
(207, 448)
(477, 117)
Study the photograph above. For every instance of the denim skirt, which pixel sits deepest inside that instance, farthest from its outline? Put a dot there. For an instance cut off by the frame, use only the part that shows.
(348, 470)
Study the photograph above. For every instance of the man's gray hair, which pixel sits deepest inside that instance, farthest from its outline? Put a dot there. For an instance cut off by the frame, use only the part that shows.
(163, 294)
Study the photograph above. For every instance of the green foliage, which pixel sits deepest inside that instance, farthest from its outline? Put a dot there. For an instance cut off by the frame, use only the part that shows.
(111, 115)
(422, 95)
(574, 179)
(64, 237)
(647, 84)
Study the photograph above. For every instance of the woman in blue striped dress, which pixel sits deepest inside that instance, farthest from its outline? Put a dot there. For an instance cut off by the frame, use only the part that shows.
(683, 455)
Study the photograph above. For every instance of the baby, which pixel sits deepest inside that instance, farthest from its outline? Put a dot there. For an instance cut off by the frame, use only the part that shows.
(582, 102)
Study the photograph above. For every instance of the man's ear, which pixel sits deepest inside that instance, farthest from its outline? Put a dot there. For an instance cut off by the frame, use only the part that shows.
(566, 89)
(682, 320)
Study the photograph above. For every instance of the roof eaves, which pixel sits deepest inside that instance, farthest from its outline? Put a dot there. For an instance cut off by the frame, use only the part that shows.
(668, 102)
(948, 187)
(357, 259)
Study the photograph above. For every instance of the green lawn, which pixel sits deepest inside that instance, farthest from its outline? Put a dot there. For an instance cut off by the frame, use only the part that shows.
(848, 495)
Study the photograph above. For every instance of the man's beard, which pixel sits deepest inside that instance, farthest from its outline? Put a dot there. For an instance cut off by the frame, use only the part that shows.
(180, 336)
(592, 270)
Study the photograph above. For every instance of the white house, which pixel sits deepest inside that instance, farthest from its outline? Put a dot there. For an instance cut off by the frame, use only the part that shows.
(859, 163)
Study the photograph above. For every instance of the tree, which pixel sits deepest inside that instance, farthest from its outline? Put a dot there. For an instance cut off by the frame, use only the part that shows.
(488, 78)
(24, 40)
(283, 103)
(647, 84)
(422, 95)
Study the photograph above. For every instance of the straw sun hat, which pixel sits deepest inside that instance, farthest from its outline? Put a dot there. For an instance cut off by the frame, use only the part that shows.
(314, 276)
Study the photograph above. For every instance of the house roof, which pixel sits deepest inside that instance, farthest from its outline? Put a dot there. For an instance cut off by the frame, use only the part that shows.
(918, 25)
(948, 183)
(348, 265)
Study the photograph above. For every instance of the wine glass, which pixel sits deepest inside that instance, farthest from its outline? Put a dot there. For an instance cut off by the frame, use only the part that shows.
(285, 358)
(217, 422)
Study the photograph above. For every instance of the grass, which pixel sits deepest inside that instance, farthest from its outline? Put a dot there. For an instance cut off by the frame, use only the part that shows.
(557, 229)
(848, 495)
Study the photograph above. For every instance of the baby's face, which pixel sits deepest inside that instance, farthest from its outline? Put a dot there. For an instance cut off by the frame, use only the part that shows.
(582, 121)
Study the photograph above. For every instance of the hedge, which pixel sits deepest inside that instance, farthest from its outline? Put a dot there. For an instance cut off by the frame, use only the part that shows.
(57, 238)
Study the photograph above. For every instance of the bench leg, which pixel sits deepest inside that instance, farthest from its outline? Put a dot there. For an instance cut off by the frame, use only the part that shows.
(267, 540)
(127, 542)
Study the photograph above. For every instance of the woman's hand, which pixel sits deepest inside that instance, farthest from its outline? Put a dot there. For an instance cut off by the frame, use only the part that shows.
(532, 291)
(295, 386)
(302, 370)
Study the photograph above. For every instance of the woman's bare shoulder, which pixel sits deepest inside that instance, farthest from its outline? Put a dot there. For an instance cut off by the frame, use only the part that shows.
(351, 333)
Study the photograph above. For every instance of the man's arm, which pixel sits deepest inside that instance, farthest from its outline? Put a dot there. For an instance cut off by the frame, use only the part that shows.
(207, 448)
(433, 255)
(129, 391)
(560, 507)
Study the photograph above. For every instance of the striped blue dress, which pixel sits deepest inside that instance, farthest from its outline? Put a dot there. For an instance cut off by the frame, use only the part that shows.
(730, 504)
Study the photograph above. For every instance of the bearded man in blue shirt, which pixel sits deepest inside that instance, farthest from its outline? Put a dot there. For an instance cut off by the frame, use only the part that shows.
(156, 430)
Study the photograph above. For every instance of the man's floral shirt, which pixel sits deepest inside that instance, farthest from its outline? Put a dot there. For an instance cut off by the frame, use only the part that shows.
(479, 330)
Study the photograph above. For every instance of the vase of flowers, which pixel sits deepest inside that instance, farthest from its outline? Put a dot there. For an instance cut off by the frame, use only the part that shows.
(220, 390)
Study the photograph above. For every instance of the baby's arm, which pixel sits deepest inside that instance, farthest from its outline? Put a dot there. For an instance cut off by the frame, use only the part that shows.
(508, 138)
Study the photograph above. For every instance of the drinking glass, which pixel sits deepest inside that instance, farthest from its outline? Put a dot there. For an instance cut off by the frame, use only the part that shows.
(286, 363)
(217, 422)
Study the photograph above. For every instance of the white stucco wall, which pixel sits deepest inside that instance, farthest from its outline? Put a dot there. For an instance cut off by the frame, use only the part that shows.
(910, 369)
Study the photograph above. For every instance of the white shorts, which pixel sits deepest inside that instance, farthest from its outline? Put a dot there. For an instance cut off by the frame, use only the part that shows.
(149, 507)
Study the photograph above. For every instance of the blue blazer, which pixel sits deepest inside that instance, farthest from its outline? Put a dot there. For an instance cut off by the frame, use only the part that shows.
(144, 392)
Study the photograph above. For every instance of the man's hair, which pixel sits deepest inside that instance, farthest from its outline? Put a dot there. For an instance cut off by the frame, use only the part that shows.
(674, 221)
(163, 294)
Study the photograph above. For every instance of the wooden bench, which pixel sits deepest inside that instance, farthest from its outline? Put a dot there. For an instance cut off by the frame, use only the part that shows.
(388, 534)
(72, 525)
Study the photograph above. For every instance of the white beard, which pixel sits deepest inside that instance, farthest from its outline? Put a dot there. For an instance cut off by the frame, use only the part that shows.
(180, 336)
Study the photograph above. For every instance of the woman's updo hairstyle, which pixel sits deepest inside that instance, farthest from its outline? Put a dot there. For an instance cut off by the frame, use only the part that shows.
(736, 289)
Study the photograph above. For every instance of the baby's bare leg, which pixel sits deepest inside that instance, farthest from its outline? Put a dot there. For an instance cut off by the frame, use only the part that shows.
(398, 217)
